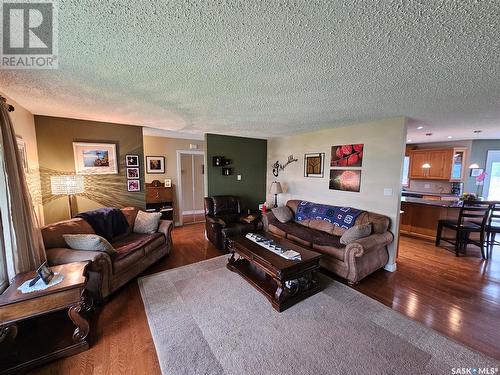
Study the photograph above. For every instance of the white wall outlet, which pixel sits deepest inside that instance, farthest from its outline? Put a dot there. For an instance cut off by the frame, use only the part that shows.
(387, 192)
(238, 177)
(427, 186)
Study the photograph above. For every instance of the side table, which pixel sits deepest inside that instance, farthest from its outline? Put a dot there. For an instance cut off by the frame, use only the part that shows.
(16, 308)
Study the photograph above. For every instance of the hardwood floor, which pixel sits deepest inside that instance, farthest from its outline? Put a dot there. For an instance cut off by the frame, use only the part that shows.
(459, 297)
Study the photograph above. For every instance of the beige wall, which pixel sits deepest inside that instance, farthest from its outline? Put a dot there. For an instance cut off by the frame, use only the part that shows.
(384, 148)
(168, 147)
(24, 126)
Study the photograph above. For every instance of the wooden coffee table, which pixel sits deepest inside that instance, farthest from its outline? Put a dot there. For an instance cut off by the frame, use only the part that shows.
(284, 282)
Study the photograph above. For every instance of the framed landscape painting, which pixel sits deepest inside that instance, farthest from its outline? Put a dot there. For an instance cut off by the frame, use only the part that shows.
(347, 155)
(95, 158)
(345, 179)
(314, 165)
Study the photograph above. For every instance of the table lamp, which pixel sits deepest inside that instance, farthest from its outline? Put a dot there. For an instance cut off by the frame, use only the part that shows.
(67, 185)
(276, 189)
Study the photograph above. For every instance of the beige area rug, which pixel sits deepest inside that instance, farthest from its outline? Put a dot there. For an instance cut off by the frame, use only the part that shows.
(204, 319)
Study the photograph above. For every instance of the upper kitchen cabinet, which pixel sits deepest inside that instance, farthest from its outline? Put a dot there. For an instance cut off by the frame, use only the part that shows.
(433, 164)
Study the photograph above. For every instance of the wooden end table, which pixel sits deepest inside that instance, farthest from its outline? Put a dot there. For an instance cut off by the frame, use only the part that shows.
(16, 308)
(283, 282)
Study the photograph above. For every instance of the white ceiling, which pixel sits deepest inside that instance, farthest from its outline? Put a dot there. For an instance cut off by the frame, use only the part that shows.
(257, 68)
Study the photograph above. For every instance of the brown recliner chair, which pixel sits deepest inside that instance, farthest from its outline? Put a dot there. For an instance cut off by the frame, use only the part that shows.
(224, 217)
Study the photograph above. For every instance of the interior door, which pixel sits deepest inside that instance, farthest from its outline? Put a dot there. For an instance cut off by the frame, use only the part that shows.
(193, 187)
(491, 188)
(198, 186)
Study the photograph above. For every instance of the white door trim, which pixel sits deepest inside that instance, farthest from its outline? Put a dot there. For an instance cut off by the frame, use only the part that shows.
(179, 178)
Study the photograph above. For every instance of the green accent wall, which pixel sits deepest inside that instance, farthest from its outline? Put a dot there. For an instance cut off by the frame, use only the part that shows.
(55, 137)
(248, 158)
(479, 153)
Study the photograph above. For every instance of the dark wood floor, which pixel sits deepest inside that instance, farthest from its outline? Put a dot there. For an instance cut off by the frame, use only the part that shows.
(459, 297)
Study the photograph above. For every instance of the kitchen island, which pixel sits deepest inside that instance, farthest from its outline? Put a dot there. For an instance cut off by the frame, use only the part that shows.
(420, 216)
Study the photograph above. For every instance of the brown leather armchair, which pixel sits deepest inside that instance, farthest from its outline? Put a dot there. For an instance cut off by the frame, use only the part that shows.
(224, 218)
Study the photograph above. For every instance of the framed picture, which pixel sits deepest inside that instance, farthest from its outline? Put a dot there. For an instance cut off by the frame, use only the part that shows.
(474, 172)
(133, 185)
(132, 173)
(345, 179)
(314, 164)
(95, 158)
(347, 155)
(21, 146)
(168, 182)
(132, 160)
(155, 164)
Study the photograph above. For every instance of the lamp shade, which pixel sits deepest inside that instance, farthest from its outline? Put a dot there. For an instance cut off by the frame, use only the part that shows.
(474, 166)
(67, 185)
(276, 188)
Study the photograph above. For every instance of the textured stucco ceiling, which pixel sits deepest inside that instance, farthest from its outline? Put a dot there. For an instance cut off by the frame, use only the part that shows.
(266, 68)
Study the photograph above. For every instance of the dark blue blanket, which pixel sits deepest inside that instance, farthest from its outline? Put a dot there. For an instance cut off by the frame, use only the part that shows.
(343, 217)
(107, 222)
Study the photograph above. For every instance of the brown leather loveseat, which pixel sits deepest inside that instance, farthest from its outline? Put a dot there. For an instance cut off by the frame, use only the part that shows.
(135, 252)
(352, 262)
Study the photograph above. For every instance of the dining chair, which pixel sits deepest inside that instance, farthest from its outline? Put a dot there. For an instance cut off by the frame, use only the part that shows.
(493, 227)
(472, 218)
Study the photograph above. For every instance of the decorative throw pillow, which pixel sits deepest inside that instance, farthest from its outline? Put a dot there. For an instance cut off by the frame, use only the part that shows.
(355, 233)
(92, 242)
(283, 214)
(147, 222)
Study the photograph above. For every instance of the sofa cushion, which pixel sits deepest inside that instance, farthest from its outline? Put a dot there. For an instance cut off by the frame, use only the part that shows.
(92, 242)
(380, 223)
(277, 231)
(135, 241)
(283, 214)
(355, 233)
(298, 233)
(334, 251)
(53, 233)
(147, 222)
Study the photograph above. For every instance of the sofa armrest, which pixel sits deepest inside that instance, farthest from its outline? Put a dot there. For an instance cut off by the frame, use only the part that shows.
(59, 255)
(364, 245)
(267, 217)
(166, 227)
(216, 220)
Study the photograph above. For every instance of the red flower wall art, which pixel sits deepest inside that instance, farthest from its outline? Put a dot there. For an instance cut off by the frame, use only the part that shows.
(347, 156)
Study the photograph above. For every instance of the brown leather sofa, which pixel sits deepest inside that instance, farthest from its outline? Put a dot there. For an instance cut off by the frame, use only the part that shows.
(352, 262)
(135, 252)
(224, 218)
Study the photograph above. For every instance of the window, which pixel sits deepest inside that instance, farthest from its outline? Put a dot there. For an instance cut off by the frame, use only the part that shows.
(406, 170)
(491, 186)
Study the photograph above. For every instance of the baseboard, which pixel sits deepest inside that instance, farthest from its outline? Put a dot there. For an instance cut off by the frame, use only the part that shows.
(390, 267)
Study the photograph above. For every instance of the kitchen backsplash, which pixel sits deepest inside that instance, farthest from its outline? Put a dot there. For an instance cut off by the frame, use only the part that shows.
(426, 186)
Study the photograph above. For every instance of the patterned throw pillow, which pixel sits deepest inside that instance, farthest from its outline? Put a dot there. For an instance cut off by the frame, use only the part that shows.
(91, 242)
(283, 214)
(355, 233)
(147, 222)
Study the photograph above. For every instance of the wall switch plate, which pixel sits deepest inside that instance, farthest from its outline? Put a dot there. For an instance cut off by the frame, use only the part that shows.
(387, 192)
(238, 177)
(427, 186)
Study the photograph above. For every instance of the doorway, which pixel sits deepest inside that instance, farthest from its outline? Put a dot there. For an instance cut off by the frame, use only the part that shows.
(492, 181)
(191, 178)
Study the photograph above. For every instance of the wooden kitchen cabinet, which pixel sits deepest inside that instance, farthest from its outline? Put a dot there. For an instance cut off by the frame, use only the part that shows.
(440, 161)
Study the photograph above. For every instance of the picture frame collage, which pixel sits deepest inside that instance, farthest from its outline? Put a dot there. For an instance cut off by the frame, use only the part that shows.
(133, 172)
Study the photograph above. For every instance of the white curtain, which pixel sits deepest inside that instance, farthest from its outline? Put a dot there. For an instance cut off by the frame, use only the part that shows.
(24, 250)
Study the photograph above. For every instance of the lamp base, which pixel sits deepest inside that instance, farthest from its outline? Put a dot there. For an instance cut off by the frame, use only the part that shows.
(275, 200)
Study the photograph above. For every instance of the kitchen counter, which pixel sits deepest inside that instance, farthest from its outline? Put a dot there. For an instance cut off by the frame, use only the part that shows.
(449, 204)
(420, 216)
(427, 193)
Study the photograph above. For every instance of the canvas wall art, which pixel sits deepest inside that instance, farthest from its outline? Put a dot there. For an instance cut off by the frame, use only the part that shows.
(345, 179)
(347, 156)
(95, 158)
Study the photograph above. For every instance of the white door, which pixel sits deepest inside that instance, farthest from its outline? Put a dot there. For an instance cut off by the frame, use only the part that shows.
(492, 181)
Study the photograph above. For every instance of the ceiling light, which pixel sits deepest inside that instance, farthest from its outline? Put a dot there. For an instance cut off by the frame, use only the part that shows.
(408, 140)
(420, 127)
(474, 166)
(426, 165)
(450, 137)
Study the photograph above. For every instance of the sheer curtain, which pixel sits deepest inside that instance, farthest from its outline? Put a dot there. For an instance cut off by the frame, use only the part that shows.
(24, 248)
